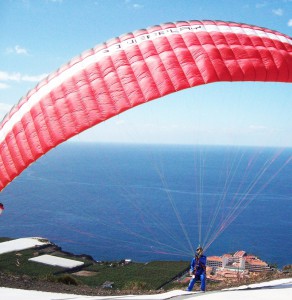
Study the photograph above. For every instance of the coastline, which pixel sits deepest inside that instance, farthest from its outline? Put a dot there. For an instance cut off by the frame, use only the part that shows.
(77, 279)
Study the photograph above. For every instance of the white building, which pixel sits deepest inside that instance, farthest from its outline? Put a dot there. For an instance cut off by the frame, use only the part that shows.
(239, 261)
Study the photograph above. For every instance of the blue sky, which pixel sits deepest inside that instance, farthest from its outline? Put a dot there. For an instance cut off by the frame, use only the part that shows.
(38, 36)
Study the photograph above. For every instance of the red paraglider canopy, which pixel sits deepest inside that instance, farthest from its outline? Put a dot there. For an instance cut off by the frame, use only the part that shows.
(133, 69)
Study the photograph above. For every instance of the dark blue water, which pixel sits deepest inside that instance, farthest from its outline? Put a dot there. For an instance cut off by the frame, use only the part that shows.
(155, 202)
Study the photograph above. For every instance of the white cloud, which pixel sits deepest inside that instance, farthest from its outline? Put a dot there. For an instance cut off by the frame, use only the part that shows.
(18, 50)
(6, 76)
(137, 6)
(290, 23)
(278, 12)
(35, 78)
(3, 86)
(257, 127)
(133, 5)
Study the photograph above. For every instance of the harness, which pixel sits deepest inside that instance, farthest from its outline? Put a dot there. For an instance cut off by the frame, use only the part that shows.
(199, 265)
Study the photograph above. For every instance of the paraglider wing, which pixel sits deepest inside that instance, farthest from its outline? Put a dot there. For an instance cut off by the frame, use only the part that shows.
(131, 70)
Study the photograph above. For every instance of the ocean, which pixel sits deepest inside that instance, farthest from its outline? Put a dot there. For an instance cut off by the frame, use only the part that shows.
(155, 202)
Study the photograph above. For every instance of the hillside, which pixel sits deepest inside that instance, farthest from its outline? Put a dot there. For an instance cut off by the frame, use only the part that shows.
(99, 278)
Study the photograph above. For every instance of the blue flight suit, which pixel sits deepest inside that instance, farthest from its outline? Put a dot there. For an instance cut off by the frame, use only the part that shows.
(198, 269)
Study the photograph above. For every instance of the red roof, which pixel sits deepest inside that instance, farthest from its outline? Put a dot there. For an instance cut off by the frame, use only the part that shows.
(240, 253)
(256, 262)
(214, 258)
(227, 255)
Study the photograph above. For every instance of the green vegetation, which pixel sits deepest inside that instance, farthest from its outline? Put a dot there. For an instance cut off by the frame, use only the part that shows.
(121, 276)
(287, 269)
(104, 277)
(18, 263)
(4, 239)
(133, 276)
(67, 279)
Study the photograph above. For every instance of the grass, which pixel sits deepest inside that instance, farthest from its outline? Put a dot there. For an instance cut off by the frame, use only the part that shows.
(18, 263)
(148, 276)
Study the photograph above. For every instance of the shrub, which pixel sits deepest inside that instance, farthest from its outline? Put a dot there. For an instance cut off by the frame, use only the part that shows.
(67, 279)
(135, 285)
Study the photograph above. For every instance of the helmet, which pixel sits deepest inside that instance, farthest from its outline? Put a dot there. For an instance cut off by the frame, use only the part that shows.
(199, 251)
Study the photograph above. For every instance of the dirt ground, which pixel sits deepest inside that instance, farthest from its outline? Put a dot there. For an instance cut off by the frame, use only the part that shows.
(27, 283)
